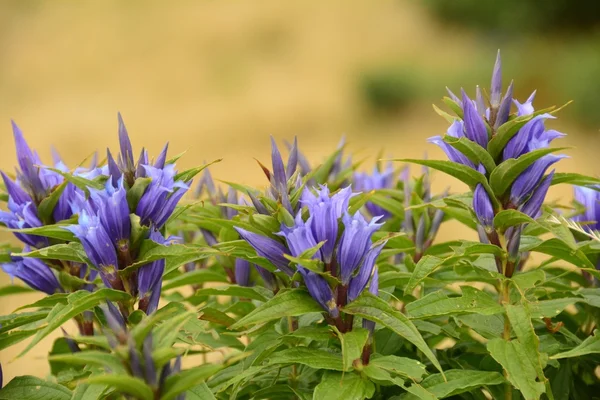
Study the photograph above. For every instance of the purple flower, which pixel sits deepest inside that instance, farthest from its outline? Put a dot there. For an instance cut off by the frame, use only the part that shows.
(504, 110)
(496, 89)
(111, 204)
(320, 290)
(22, 213)
(325, 210)
(531, 136)
(364, 182)
(300, 237)
(456, 130)
(359, 282)
(268, 248)
(29, 163)
(531, 178)
(590, 199)
(33, 272)
(98, 246)
(483, 207)
(475, 128)
(150, 278)
(242, 272)
(534, 204)
(160, 197)
(525, 108)
(354, 244)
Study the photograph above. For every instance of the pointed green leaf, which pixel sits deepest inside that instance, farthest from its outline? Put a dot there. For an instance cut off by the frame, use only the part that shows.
(561, 250)
(520, 372)
(92, 357)
(256, 293)
(200, 392)
(192, 172)
(457, 381)
(591, 345)
(461, 172)
(185, 380)
(505, 174)
(124, 384)
(33, 388)
(574, 179)
(314, 358)
(349, 386)
(378, 310)
(67, 252)
(78, 302)
(438, 303)
(473, 151)
(507, 218)
(46, 207)
(403, 366)
(287, 303)
(425, 266)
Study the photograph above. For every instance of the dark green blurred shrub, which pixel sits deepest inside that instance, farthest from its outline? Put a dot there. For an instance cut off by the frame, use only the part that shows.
(510, 17)
(389, 89)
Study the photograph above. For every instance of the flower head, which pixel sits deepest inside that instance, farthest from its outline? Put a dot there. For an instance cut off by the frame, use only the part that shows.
(378, 179)
(33, 272)
(161, 196)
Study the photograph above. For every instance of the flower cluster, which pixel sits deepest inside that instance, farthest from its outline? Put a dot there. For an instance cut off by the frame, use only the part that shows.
(350, 259)
(482, 127)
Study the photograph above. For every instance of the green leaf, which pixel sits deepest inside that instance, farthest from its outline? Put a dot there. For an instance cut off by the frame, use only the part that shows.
(10, 338)
(67, 252)
(185, 380)
(505, 174)
(14, 289)
(507, 218)
(337, 386)
(200, 392)
(423, 269)
(591, 345)
(137, 191)
(255, 293)
(78, 302)
(520, 372)
(92, 357)
(520, 320)
(213, 315)
(84, 391)
(47, 301)
(314, 358)
(504, 133)
(473, 151)
(12, 321)
(561, 250)
(353, 343)
(437, 303)
(174, 255)
(454, 106)
(378, 310)
(33, 388)
(461, 172)
(574, 179)
(46, 207)
(81, 182)
(124, 384)
(287, 303)
(403, 366)
(56, 231)
(192, 172)
(457, 381)
(551, 308)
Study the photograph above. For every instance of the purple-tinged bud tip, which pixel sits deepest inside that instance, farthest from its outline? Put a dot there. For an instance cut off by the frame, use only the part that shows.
(496, 89)
(483, 207)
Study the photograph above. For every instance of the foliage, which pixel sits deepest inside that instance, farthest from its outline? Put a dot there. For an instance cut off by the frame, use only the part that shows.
(330, 283)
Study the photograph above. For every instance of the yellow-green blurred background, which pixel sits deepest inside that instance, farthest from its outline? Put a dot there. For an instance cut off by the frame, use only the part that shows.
(217, 78)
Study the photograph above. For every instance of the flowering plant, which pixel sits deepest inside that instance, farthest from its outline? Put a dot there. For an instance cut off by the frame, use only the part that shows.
(331, 283)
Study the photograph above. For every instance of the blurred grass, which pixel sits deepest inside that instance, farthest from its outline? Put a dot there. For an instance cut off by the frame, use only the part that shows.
(216, 78)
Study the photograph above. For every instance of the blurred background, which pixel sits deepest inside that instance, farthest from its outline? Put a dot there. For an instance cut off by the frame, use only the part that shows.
(215, 79)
